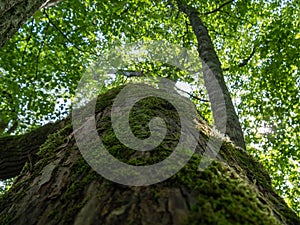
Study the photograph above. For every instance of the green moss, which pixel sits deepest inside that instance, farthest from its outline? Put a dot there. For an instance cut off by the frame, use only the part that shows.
(81, 175)
(223, 196)
(7, 219)
(54, 141)
(233, 198)
(140, 116)
(255, 171)
(226, 191)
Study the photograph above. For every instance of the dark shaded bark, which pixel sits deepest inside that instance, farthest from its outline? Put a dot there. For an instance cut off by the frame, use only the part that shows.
(219, 95)
(13, 13)
(63, 189)
(15, 151)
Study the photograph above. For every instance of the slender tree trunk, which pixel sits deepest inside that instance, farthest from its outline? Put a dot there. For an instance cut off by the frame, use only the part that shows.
(13, 13)
(219, 95)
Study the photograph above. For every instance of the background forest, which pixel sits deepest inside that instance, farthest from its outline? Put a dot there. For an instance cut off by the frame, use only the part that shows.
(258, 43)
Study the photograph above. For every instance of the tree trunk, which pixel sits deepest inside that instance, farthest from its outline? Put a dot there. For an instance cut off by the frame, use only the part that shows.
(57, 186)
(61, 188)
(13, 13)
(225, 117)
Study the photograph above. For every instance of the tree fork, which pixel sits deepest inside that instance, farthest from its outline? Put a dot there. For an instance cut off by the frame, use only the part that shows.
(214, 80)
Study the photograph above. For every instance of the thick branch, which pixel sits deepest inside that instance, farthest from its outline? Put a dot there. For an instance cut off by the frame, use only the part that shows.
(214, 81)
(16, 150)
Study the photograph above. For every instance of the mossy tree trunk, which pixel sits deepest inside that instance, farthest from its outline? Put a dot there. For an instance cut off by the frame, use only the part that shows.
(59, 187)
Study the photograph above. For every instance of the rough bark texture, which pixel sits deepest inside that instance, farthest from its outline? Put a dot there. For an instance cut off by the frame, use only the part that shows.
(62, 188)
(13, 13)
(15, 151)
(219, 95)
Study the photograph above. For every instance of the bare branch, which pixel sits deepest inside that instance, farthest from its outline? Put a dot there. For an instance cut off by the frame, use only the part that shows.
(50, 3)
(130, 73)
(192, 96)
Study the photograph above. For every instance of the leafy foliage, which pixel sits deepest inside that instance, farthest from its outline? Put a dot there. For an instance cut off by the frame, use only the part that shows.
(257, 42)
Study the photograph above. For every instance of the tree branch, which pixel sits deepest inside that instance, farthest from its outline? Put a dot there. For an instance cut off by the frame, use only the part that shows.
(192, 96)
(244, 61)
(50, 3)
(15, 150)
(219, 8)
(62, 33)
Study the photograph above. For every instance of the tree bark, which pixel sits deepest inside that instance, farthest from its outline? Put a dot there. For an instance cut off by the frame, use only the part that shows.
(62, 188)
(59, 187)
(15, 151)
(13, 13)
(219, 95)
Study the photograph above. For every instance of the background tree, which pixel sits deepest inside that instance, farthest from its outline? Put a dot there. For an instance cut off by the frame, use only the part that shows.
(258, 43)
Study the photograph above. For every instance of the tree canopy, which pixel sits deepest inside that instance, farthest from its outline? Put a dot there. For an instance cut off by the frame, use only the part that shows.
(257, 43)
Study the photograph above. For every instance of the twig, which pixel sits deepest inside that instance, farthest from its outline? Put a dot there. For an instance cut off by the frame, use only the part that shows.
(244, 61)
(219, 8)
(62, 33)
(129, 73)
(192, 96)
